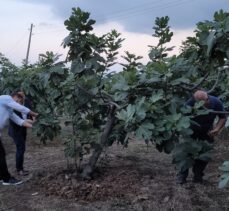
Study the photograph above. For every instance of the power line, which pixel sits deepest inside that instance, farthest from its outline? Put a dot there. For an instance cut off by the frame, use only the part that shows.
(132, 11)
(129, 9)
(138, 8)
(127, 15)
(100, 16)
(58, 29)
(17, 44)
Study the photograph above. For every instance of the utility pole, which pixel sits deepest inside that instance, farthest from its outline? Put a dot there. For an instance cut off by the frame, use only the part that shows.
(27, 54)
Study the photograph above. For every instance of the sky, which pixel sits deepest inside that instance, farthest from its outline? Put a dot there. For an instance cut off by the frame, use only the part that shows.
(134, 19)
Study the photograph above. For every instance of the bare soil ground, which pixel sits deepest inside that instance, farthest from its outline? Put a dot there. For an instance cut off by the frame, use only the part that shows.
(134, 178)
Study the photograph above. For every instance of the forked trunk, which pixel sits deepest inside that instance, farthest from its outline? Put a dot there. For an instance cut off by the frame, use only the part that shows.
(89, 168)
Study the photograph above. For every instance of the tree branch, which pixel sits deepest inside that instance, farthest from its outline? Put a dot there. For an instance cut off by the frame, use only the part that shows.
(215, 84)
(201, 81)
(193, 86)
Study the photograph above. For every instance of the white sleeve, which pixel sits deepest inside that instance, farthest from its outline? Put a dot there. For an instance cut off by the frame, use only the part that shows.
(16, 106)
(16, 119)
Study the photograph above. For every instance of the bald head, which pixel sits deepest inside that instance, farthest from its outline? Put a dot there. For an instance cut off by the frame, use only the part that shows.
(201, 95)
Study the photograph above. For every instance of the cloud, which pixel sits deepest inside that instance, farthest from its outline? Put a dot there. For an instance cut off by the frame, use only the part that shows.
(138, 43)
(45, 24)
(133, 19)
(16, 18)
(139, 15)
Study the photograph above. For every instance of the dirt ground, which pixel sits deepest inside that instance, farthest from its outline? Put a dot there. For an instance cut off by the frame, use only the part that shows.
(137, 178)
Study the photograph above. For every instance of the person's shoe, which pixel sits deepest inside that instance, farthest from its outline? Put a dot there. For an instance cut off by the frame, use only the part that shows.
(12, 181)
(197, 180)
(23, 173)
(180, 181)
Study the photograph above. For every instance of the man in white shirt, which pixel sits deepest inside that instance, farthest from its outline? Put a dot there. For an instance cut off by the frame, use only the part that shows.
(7, 105)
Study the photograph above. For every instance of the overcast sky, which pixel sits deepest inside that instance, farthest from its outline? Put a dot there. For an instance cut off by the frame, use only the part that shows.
(134, 19)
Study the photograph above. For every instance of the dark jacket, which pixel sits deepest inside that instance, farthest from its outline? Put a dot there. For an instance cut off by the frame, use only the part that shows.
(205, 122)
(16, 130)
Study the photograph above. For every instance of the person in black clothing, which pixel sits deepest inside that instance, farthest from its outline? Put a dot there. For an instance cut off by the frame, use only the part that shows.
(7, 105)
(204, 130)
(18, 134)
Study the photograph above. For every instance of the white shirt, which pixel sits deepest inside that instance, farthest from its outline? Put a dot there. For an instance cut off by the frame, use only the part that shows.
(7, 105)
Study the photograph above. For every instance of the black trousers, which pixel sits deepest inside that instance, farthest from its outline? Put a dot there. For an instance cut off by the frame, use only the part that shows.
(20, 151)
(197, 169)
(199, 165)
(4, 173)
(18, 134)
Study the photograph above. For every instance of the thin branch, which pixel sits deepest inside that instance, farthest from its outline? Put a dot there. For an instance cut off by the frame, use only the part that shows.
(218, 112)
(100, 93)
(114, 104)
(107, 95)
(216, 83)
(193, 86)
(185, 87)
(201, 81)
(222, 68)
(66, 59)
(87, 92)
(118, 107)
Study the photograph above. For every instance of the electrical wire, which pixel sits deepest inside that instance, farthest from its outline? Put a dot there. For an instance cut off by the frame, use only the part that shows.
(136, 9)
(17, 44)
(146, 10)
(132, 11)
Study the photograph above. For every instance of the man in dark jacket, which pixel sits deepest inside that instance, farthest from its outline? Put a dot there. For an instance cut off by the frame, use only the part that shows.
(204, 130)
(18, 133)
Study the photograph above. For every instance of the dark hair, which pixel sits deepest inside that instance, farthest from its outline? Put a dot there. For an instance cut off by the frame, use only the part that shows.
(17, 93)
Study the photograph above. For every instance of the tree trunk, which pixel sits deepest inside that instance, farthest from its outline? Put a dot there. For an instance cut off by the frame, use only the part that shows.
(89, 168)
